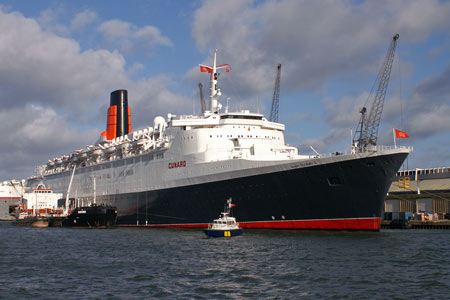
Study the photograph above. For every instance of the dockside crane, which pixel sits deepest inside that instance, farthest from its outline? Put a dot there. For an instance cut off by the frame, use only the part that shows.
(276, 97)
(366, 133)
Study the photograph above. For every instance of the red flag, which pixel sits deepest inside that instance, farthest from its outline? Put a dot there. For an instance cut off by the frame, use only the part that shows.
(209, 69)
(226, 66)
(205, 69)
(401, 134)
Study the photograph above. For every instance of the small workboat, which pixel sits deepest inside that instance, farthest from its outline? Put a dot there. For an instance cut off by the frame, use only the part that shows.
(225, 225)
(93, 216)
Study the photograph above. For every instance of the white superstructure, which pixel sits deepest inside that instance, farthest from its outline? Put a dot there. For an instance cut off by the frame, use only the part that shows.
(40, 201)
(173, 151)
(41, 198)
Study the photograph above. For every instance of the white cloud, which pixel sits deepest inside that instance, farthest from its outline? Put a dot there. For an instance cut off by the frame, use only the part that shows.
(345, 112)
(328, 144)
(425, 112)
(115, 29)
(129, 36)
(150, 97)
(83, 19)
(52, 68)
(314, 40)
(418, 18)
(32, 134)
(429, 106)
(53, 94)
(48, 20)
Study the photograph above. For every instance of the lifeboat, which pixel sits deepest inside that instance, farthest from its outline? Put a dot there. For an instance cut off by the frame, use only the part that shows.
(123, 149)
(65, 160)
(73, 157)
(82, 156)
(50, 165)
(96, 154)
(58, 162)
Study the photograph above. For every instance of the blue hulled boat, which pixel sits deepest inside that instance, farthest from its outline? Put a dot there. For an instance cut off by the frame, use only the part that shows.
(225, 225)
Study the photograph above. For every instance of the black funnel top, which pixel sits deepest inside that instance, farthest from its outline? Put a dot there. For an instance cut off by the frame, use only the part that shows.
(120, 98)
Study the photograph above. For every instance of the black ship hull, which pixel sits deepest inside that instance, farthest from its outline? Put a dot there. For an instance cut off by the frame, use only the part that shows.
(97, 216)
(342, 195)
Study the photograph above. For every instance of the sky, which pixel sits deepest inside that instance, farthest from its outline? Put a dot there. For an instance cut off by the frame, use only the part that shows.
(60, 60)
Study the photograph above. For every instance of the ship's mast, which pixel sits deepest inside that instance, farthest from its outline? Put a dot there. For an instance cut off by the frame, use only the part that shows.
(95, 192)
(66, 209)
(215, 92)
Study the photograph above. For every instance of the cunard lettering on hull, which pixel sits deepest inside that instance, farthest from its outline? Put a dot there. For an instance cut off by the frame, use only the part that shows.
(179, 171)
(177, 164)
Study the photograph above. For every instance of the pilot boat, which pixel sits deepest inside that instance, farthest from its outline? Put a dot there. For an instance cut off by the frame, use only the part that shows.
(225, 225)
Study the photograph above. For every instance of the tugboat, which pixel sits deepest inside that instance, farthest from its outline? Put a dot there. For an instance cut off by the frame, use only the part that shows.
(225, 225)
(94, 216)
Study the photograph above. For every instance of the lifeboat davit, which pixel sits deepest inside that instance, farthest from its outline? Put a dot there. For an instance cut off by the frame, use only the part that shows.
(50, 165)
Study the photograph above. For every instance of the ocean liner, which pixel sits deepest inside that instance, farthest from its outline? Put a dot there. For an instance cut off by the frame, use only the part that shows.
(179, 172)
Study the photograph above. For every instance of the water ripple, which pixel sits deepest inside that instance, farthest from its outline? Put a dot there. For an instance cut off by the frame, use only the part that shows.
(125, 263)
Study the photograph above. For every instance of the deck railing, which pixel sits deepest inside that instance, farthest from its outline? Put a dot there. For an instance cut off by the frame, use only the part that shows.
(369, 149)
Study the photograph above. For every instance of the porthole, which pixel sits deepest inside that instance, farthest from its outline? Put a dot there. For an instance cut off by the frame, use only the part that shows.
(334, 181)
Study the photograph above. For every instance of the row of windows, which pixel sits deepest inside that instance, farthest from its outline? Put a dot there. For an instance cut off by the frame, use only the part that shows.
(42, 192)
(245, 127)
(231, 136)
(118, 163)
(85, 180)
(123, 173)
(423, 172)
(248, 136)
(241, 117)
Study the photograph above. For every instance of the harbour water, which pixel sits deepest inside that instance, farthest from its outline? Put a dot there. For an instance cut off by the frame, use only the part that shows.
(136, 263)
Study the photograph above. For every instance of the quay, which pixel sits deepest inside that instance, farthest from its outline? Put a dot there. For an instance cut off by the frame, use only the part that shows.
(415, 224)
(418, 199)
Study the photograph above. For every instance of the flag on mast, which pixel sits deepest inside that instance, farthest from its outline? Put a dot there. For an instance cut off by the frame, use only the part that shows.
(204, 68)
(209, 69)
(400, 134)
